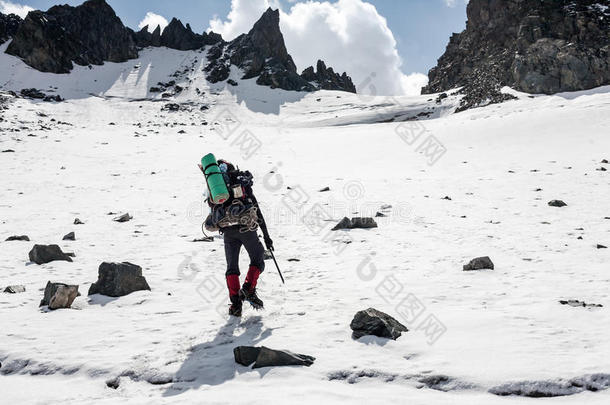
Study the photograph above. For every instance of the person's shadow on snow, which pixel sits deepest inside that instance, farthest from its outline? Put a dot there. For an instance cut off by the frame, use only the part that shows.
(212, 362)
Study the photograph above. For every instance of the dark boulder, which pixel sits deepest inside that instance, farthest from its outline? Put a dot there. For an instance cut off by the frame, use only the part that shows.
(59, 295)
(345, 223)
(577, 303)
(376, 323)
(14, 289)
(9, 24)
(70, 236)
(530, 45)
(173, 107)
(557, 203)
(88, 34)
(480, 263)
(356, 223)
(78, 222)
(57, 98)
(123, 218)
(36, 94)
(41, 254)
(118, 279)
(265, 357)
(32, 93)
(22, 238)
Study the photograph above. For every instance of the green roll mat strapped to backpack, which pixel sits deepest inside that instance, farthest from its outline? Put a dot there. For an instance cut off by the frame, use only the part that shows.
(215, 179)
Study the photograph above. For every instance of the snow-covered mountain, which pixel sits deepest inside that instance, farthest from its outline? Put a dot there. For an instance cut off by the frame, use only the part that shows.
(91, 34)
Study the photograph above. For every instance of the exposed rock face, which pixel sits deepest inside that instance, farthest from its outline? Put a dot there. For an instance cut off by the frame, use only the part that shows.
(259, 53)
(143, 38)
(41, 254)
(376, 323)
(265, 357)
(59, 295)
(91, 34)
(118, 279)
(8, 26)
(262, 53)
(155, 39)
(324, 78)
(177, 36)
(535, 46)
(88, 34)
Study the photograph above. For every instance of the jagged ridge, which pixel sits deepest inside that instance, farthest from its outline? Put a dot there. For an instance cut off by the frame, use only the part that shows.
(175, 36)
(92, 33)
(262, 53)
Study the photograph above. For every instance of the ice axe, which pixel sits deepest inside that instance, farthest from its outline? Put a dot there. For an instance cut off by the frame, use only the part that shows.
(278, 267)
(270, 248)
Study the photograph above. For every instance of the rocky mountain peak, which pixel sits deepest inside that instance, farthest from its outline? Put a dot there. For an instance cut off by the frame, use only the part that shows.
(535, 46)
(87, 34)
(8, 26)
(91, 33)
(262, 47)
(267, 36)
(177, 36)
(262, 53)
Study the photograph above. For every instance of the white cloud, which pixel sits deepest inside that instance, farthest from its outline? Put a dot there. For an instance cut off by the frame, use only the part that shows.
(349, 35)
(153, 20)
(412, 84)
(453, 3)
(6, 7)
(243, 15)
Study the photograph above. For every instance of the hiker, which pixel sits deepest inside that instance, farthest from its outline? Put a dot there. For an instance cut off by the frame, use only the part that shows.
(237, 218)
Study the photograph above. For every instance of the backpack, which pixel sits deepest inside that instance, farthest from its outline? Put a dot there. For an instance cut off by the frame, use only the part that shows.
(240, 209)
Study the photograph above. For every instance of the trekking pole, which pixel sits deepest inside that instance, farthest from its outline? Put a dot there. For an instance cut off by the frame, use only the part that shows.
(278, 267)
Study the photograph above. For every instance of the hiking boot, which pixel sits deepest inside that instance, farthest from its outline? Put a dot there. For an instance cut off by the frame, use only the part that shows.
(236, 306)
(247, 293)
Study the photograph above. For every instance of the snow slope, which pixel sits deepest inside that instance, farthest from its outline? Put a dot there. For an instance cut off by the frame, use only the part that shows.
(174, 344)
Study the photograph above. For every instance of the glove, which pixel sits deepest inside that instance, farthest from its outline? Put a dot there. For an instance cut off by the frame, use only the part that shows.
(269, 243)
(209, 225)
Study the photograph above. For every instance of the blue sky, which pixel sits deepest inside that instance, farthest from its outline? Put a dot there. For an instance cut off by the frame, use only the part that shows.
(421, 27)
